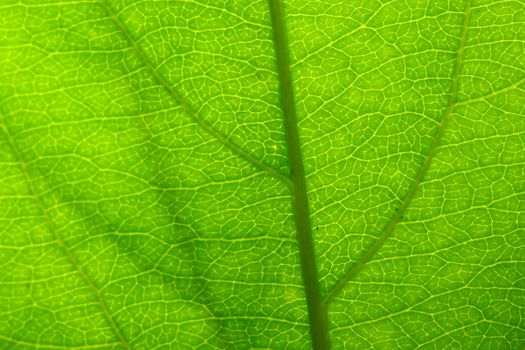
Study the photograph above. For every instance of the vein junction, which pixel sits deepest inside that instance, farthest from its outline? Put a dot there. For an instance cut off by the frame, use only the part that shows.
(185, 105)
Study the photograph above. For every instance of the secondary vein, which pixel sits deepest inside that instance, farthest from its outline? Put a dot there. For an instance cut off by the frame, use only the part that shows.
(62, 243)
(185, 105)
(316, 311)
(422, 171)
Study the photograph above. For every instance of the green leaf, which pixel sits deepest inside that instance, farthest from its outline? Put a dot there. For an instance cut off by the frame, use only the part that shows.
(201, 174)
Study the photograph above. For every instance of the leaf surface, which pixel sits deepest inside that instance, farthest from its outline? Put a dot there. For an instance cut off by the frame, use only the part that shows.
(253, 174)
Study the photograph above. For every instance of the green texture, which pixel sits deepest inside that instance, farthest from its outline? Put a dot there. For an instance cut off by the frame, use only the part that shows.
(203, 174)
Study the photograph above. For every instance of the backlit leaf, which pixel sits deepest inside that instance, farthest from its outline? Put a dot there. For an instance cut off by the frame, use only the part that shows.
(262, 174)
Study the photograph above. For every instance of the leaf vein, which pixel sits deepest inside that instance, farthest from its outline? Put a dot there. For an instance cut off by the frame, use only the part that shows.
(316, 312)
(62, 243)
(367, 256)
(185, 105)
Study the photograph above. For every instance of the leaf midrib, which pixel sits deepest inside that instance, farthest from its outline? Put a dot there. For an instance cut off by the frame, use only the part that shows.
(296, 182)
(317, 307)
(317, 316)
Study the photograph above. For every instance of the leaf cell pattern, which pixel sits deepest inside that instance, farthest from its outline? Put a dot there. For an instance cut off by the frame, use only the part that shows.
(146, 193)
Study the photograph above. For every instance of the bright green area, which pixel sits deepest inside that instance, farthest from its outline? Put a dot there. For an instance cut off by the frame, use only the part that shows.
(145, 197)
